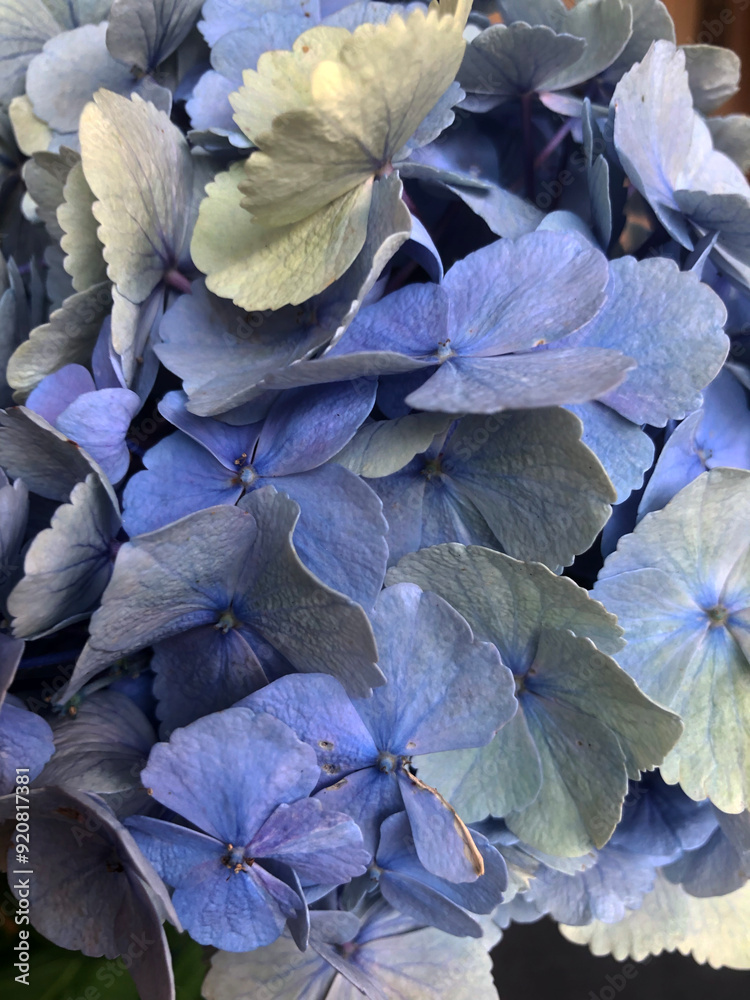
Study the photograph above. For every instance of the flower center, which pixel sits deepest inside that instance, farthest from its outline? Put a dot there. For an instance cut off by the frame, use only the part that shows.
(248, 475)
(387, 762)
(227, 620)
(444, 350)
(717, 615)
(236, 861)
(432, 467)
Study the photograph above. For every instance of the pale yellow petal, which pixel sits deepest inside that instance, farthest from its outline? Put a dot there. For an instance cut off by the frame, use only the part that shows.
(266, 268)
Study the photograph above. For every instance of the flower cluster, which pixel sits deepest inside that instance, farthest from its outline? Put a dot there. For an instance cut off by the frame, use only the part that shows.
(374, 485)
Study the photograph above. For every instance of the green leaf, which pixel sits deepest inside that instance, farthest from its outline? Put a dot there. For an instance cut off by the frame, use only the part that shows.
(59, 974)
(67, 339)
(326, 119)
(138, 165)
(364, 102)
(44, 176)
(265, 268)
(32, 135)
(84, 261)
(712, 930)
(558, 770)
(680, 585)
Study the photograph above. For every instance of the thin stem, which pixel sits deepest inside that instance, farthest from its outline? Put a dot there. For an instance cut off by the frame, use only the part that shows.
(175, 279)
(552, 145)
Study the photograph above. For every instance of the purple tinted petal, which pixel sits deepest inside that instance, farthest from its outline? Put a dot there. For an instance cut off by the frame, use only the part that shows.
(321, 713)
(99, 421)
(229, 444)
(321, 846)
(180, 478)
(307, 426)
(231, 795)
(57, 391)
(92, 877)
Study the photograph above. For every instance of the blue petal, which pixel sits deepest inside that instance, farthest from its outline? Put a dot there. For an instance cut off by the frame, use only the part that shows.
(369, 796)
(411, 321)
(321, 713)
(24, 737)
(672, 325)
(208, 106)
(446, 690)
(307, 426)
(426, 897)
(512, 295)
(321, 846)
(341, 532)
(660, 820)
(237, 911)
(716, 435)
(179, 855)
(202, 775)
(521, 381)
(625, 451)
(57, 391)
(616, 884)
(229, 444)
(201, 671)
(180, 478)
(443, 843)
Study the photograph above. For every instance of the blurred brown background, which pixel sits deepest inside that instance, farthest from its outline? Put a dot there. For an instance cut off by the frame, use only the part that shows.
(717, 22)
